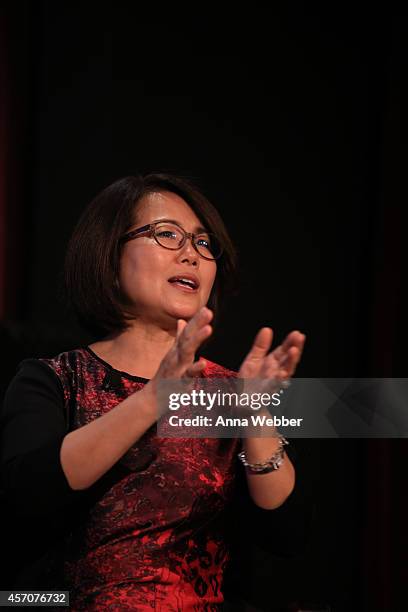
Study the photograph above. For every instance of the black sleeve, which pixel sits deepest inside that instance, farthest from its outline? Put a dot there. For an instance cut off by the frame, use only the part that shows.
(267, 546)
(32, 428)
(285, 530)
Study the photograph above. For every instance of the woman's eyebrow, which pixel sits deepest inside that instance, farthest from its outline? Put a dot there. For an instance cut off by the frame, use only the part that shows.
(198, 228)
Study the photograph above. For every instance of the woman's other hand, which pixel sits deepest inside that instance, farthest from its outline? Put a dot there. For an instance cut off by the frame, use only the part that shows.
(276, 365)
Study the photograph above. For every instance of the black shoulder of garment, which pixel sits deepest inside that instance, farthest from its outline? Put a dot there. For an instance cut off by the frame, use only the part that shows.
(37, 503)
(32, 427)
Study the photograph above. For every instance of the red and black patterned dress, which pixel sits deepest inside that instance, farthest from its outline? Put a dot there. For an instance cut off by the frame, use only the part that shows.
(153, 535)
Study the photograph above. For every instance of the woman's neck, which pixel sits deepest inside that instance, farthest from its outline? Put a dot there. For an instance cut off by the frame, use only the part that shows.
(138, 350)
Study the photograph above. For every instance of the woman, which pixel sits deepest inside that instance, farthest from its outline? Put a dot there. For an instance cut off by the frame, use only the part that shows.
(146, 516)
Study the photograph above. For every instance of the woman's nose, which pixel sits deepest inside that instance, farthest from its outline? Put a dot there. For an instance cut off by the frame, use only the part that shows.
(188, 253)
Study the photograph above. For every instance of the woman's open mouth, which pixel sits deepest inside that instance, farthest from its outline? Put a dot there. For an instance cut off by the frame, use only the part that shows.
(186, 283)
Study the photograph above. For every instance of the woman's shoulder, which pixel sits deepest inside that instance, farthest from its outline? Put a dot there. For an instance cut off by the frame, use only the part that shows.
(49, 372)
(78, 367)
(66, 361)
(72, 363)
(43, 370)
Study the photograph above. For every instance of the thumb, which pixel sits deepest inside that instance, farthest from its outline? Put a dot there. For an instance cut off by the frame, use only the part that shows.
(181, 323)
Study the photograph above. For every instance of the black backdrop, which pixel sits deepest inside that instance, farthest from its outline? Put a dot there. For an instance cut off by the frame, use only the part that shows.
(293, 124)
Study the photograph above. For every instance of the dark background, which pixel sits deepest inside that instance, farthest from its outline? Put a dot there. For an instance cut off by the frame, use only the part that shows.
(294, 124)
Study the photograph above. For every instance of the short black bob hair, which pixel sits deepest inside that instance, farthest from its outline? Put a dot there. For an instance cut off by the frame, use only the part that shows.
(93, 255)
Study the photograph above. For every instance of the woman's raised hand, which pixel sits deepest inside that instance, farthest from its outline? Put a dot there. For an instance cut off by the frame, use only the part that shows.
(179, 361)
(276, 365)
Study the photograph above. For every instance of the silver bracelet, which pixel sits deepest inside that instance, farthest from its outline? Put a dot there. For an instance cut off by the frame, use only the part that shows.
(271, 464)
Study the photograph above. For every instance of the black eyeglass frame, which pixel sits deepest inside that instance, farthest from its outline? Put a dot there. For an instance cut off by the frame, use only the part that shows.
(150, 231)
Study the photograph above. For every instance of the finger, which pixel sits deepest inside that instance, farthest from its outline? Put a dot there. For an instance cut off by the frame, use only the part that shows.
(181, 356)
(196, 368)
(253, 362)
(294, 353)
(202, 317)
(191, 336)
(181, 324)
(288, 366)
(262, 344)
(295, 338)
(188, 345)
(199, 320)
(283, 360)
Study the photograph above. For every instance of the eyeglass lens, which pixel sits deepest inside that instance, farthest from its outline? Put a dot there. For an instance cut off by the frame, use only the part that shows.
(171, 237)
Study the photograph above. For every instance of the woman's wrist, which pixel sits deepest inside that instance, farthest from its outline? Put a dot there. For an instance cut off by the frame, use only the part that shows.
(254, 454)
(147, 399)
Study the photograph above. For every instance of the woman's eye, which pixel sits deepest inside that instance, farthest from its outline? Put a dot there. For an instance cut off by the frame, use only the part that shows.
(203, 242)
(166, 234)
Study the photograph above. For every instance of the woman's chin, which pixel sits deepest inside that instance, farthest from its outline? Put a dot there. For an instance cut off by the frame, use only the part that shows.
(183, 311)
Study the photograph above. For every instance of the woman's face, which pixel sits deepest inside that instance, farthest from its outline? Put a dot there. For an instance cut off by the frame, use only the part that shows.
(146, 267)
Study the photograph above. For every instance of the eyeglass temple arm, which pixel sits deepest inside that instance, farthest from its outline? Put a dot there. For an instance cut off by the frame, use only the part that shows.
(134, 233)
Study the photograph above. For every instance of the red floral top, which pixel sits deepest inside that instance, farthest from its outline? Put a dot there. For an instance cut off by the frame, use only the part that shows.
(153, 537)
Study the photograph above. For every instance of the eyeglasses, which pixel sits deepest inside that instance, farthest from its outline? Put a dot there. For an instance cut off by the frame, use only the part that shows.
(173, 237)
